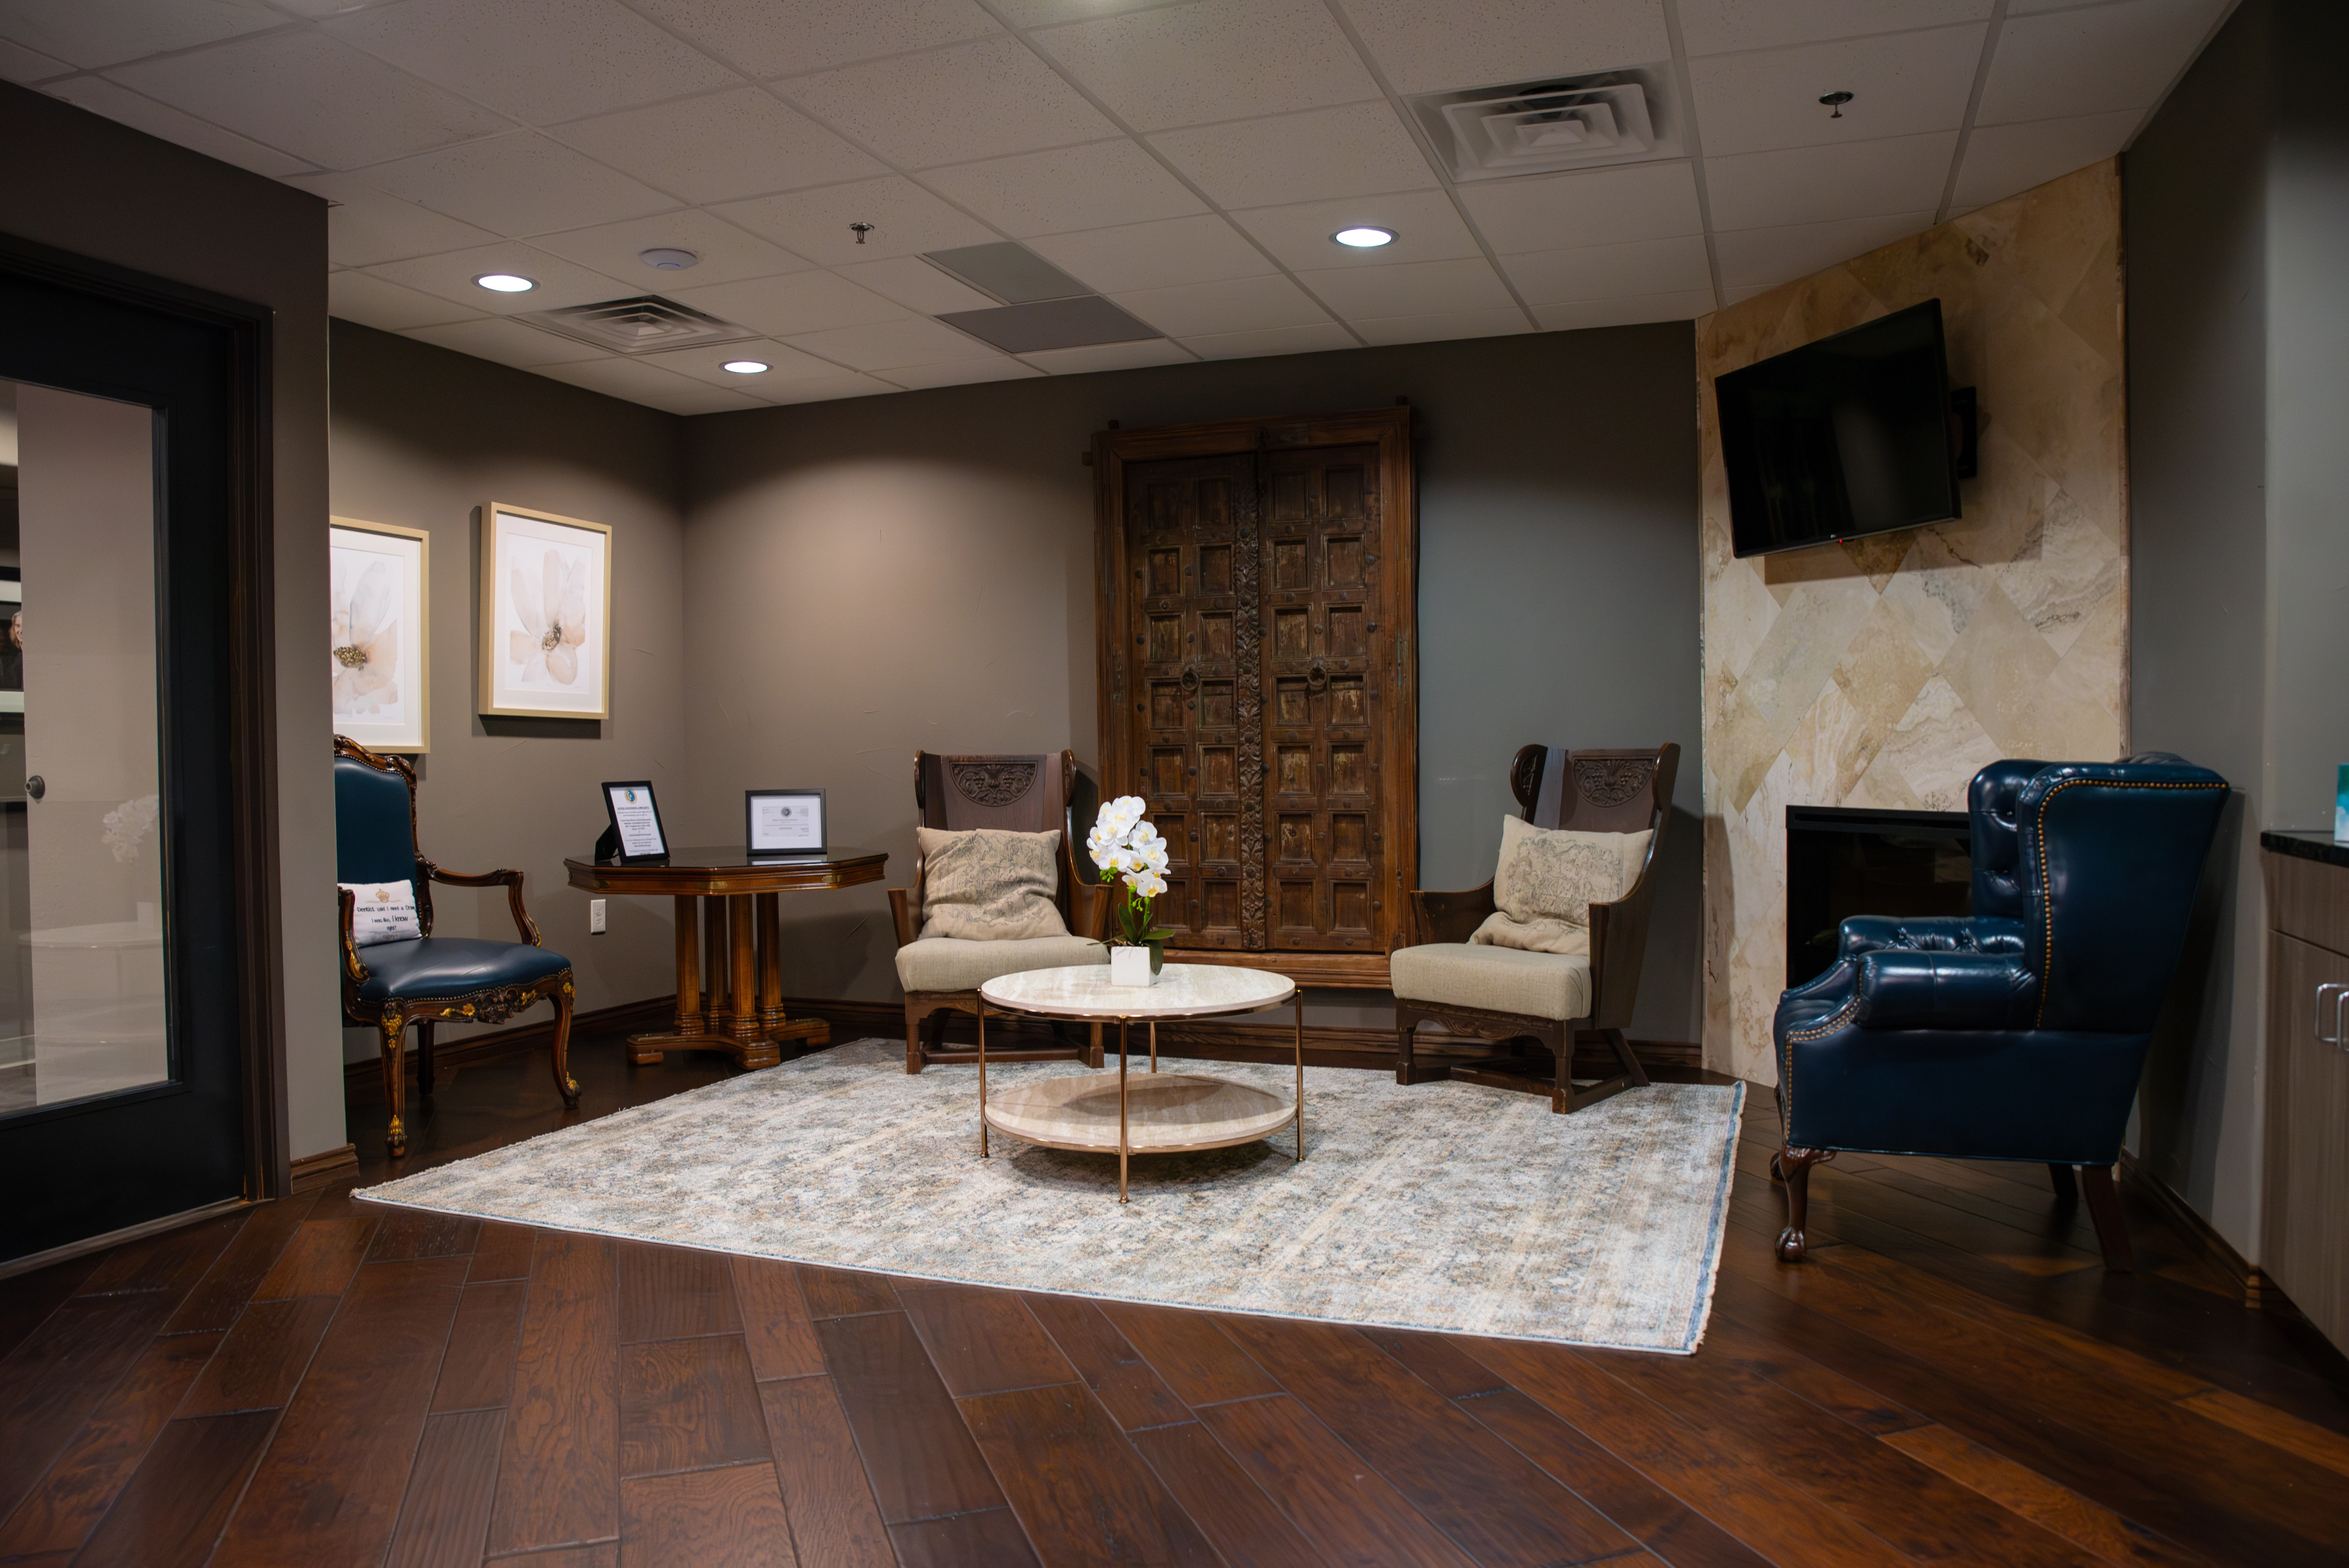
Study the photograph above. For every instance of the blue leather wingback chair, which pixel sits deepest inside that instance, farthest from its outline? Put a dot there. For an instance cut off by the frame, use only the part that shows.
(2017, 1032)
(387, 985)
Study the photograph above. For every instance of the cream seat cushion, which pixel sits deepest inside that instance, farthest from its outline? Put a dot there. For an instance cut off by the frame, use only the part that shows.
(957, 964)
(1497, 979)
(1547, 880)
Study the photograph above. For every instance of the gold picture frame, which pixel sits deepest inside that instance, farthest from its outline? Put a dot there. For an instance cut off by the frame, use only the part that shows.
(544, 648)
(381, 635)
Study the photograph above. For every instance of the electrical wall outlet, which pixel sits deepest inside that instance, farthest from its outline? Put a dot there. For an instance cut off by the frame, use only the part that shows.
(595, 917)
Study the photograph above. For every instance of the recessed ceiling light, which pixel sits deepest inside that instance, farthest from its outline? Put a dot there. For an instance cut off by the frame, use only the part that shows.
(667, 258)
(505, 283)
(1364, 238)
(747, 366)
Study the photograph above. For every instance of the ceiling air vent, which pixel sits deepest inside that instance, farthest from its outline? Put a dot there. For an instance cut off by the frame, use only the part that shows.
(638, 326)
(1539, 128)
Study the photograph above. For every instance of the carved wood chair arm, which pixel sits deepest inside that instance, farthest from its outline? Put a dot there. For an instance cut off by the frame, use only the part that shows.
(1089, 910)
(354, 971)
(509, 880)
(1452, 916)
(1619, 950)
(906, 909)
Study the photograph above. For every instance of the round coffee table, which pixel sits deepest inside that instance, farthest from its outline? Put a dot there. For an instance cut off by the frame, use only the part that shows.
(1160, 1113)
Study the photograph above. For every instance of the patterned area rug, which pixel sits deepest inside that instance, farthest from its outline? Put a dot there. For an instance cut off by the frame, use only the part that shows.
(1443, 1206)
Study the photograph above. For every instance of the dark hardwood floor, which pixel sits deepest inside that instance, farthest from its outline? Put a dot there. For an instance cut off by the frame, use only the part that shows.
(1953, 1379)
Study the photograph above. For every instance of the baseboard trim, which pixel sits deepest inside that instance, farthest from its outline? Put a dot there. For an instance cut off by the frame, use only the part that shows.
(138, 1233)
(2258, 1292)
(317, 1169)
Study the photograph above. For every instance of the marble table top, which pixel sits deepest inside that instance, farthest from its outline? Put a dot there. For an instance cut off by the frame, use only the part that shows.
(1183, 991)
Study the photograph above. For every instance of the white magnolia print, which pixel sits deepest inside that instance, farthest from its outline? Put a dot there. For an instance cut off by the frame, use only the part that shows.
(551, 605)
(365, 641)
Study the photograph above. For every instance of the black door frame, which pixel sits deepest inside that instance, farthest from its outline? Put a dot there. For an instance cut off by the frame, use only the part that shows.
(240, 452)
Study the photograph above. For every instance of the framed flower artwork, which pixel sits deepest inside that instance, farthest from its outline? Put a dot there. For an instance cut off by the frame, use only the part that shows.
(547, 614)
(379, 586)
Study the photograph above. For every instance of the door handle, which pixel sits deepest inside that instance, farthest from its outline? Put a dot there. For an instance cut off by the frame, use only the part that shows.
(2332, 992)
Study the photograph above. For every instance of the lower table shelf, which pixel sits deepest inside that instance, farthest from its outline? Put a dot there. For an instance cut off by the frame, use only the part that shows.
(1166, 1113)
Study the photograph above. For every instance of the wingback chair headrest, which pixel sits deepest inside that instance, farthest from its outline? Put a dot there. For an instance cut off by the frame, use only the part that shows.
(2111, 854)
(1013, 794)
(374, 831)
(1595, 792)
(1997, 840)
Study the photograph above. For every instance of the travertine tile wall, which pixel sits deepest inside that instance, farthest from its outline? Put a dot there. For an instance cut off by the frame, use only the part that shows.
(1885, 672)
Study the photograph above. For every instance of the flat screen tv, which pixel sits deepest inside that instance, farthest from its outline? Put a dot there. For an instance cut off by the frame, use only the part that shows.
(1848, 435)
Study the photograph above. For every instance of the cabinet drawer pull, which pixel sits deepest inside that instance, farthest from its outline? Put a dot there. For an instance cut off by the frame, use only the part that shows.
(2335, 994)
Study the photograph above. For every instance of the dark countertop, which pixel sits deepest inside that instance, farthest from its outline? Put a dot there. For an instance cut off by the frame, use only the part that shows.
(2307, 843)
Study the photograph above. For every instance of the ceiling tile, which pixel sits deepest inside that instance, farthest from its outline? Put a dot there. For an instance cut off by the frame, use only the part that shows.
(1290, 158)
(918, 285)
(790, 304)
(1414, 288)
(367, 226)
(519, 184)
(1820, 184)
(907, 220)
(313, 97)
(1235, 305)
(19, 64)
(2094, 61)
(1426, 227)
(507, 343)
(1777, 255)
(451, 273)
(1639, 201)
(1316, 338)
(1109, 356)
(962, 373)
(1426, 48)
(708, 364)
(1900, 85)
(916, 340)
(540, 60)
(1153, 255)
(1044, 13)
(378, 301)
(1710, 26)
(1630, 312)
(775, 37)
(742, 142)
(727, 253)
(633, 381)
(123, 106)
(93, 33)
(973, 100)
(2004, 160)
(1089, 187)
(825, 391)
(1216, 59)
(1610, 272)
(1444, 325)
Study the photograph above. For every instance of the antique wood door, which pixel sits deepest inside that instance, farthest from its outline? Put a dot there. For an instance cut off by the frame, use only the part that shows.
(1257, 685)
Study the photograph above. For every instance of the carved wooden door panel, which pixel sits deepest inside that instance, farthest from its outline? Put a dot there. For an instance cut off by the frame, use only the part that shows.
(1320, 553)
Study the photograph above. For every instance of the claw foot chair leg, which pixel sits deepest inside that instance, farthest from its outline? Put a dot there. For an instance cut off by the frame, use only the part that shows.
(394, 1029)
(565, 1084)
(1792, 1166)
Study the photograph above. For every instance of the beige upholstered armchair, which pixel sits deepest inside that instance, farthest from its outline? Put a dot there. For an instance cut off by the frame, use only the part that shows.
(1510, 961)
(1048, 918)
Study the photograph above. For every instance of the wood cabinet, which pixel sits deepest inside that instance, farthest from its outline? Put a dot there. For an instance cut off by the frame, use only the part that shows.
(1259, 683)
(2304, 1240)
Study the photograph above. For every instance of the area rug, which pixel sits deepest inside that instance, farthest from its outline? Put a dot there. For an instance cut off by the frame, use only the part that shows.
(1443, 1206)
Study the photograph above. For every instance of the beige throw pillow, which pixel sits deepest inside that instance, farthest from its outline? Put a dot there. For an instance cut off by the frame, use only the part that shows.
(989, 886)
(1547, 880)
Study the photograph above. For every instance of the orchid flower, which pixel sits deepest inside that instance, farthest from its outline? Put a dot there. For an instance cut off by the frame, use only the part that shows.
(364, 640)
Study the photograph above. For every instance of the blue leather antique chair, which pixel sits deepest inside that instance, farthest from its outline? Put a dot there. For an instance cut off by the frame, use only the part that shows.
(2017, 1032)
(387, 985)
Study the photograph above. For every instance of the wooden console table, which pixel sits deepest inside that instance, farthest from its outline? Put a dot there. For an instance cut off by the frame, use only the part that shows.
(743, 1014)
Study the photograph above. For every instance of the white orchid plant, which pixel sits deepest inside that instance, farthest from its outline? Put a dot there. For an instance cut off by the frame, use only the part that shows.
(1122, 845)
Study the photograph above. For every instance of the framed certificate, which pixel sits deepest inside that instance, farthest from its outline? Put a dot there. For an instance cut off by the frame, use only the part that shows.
(783, 822)
(636, 822)
(546, 649)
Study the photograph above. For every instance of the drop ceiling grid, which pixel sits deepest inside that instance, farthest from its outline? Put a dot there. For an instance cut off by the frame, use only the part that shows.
(1138, 145)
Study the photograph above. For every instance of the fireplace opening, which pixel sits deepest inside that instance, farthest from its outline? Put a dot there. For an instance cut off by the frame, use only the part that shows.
(1841, 863)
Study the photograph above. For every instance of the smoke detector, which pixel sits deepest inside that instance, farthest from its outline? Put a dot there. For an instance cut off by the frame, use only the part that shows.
(1541, 128)
(638, 326)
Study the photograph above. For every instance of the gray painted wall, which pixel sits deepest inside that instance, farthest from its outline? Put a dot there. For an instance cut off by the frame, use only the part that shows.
(422, 438)
(101, 189)
(869, 577)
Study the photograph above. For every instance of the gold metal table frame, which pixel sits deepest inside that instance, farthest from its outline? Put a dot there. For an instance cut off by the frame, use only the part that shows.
(1105, 1004)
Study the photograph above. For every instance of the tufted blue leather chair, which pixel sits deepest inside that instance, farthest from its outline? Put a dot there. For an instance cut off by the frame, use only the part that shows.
(388, 985)
(2017, 1032)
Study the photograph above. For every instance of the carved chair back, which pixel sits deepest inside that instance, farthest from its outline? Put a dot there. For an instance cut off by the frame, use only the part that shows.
(1605, 791)
(1010, 794)
(375, 823)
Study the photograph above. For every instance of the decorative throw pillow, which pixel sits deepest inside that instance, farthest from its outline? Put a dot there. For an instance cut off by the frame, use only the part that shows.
(989, 886)
(1547, 880)
(382, 912)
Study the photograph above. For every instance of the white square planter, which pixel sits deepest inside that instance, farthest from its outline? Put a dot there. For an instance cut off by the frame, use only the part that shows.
(1130, 966)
